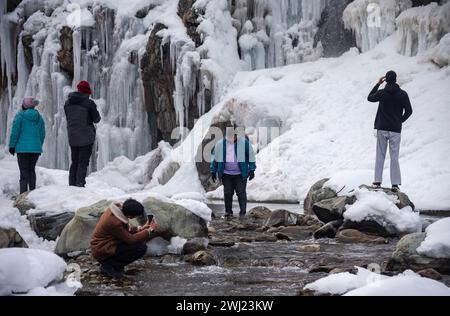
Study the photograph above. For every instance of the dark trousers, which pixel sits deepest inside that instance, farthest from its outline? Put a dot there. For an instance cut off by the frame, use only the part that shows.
(125, 255)
(79, 166)
(27, 166)
(231, 185)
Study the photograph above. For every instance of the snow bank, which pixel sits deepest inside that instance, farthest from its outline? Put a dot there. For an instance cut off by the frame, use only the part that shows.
(366, 283)
(406, 284)
(327, 124)
(347, 181)
(22, 270)
(198, 208)
(382, 208)
(441, 54)
(158, 247)
(341, 283)
(437, 242)
(11, 218)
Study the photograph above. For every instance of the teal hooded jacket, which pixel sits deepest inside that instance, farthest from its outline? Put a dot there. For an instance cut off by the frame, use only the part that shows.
(245, 157)
(28, 132)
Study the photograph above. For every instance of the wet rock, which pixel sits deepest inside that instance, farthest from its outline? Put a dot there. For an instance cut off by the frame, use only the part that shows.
(341, 270)
(202, 258)
(27, 41)
(332, 209)
(310, 248)
(190, 18)
(430, 273)
(194, 245)
(308, 220)
(281, 218)
(11, 5)
(222, 243)
(406, 256)
(332, 260)
(10, 238)
(65, 55)
(259, 212)
(322, 269)
(48, 226)
(355, 236)
(370, 227)
(23, 204)
(295, 233)
(265, 238)
(316, 194)
(329, 230)
(247, 239)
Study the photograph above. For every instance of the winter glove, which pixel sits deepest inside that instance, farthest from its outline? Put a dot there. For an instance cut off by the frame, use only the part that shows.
(12, 151)
(214, 177)
(251, 175)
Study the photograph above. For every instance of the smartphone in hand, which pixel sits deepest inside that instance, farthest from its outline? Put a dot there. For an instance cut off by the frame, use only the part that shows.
(150, 218)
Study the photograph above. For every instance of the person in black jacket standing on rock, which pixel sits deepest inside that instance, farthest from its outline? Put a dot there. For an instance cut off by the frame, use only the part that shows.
(81, 114)
(394, 110)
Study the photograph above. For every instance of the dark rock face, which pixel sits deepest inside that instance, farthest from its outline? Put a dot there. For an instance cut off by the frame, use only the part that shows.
(65, 55)
(49, 227)
(316, 194)
(158, 80)
(406, 256)
(369, 227)
(10, 238)
(203, 157)
(12, 4)
(195, 245)
(332, 209)
(417, 3)
(190, 19)
(27, 40)
(335, 39)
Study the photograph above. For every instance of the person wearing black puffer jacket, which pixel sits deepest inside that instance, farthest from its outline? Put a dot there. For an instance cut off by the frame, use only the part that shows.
(82, 114)
(394, 110)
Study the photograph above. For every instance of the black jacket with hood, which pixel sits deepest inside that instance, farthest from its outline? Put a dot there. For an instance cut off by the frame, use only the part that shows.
(81, 114)
(395, 107)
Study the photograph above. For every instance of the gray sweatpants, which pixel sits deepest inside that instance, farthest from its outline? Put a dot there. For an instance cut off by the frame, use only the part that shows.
(393, 139)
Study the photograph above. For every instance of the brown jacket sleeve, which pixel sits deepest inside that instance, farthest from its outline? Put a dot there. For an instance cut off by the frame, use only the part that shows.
(119, 231)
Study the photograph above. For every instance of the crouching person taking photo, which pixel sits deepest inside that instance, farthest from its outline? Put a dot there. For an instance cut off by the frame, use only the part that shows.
(115, 243)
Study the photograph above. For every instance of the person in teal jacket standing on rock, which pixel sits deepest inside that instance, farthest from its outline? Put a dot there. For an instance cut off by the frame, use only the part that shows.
(233, 161)
(26, 140)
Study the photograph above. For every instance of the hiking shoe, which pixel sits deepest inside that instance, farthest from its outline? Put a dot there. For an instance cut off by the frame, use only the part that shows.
(242, 217)
(109, 272)
(228, 216)
(395, 188)
(376, 185)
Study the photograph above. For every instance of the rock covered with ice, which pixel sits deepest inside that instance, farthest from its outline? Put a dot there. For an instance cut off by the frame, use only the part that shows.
(441, 54)
(373, 20)
(421, 28)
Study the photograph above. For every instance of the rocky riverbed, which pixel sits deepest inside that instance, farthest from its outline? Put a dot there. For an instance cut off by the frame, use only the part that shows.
(241, 259)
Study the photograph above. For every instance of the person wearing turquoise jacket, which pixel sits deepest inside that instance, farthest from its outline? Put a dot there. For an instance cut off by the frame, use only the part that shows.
(233, 161)
(26, 140)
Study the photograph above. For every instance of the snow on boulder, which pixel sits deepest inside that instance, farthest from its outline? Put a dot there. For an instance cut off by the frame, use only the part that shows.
(437, 241)
(341, 283)
(441, 54)
(406, 284)
(381, 208)
(367, 283)
(22, 270)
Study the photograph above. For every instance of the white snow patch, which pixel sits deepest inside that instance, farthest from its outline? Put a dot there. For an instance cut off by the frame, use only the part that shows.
(382, 208)
(437, 241)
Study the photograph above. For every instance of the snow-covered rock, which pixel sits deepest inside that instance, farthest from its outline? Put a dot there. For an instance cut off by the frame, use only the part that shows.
(381, 208)
(441, 54)
(437, 241)
(23, 270)
(367, 283)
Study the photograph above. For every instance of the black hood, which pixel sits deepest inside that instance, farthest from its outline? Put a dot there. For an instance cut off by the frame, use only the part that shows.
(78, 98)
(392, 88)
